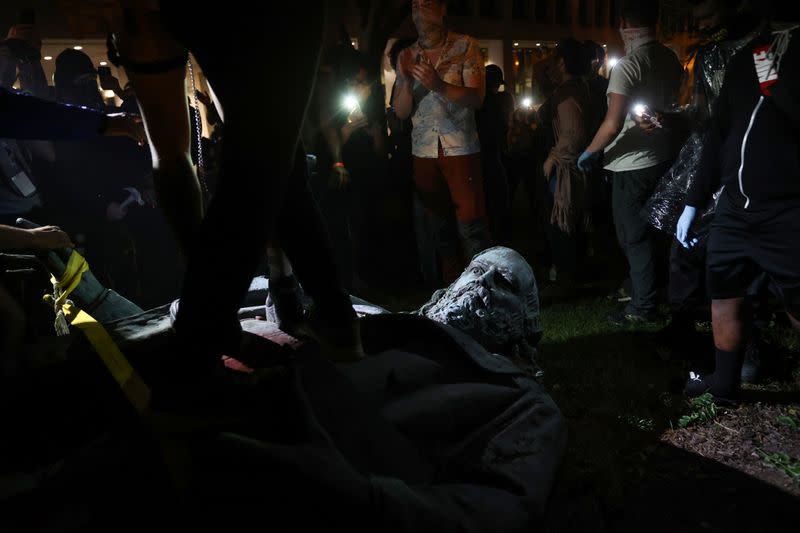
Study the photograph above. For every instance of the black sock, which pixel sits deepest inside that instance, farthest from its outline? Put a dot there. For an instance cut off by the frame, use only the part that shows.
(728, 370)
(725, 381)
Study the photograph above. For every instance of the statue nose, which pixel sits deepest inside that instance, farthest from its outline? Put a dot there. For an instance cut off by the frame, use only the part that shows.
(488, 277)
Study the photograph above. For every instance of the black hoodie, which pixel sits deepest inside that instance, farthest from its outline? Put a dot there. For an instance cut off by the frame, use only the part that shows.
(754, 144)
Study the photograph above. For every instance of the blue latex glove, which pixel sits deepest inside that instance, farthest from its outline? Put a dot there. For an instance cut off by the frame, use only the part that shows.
(587, 160)
(684, 225)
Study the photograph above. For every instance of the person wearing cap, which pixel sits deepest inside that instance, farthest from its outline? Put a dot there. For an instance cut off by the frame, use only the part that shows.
(751, 153)
(493, 121)
(440, 85)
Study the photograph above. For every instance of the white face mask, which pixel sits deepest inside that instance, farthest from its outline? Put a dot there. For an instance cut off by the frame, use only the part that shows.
(633, 38)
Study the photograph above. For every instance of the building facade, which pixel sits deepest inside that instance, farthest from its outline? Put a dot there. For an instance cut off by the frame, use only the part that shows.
(516, 34)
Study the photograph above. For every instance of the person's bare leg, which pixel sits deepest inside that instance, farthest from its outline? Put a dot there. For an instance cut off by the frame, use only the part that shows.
(163, 102)
(174, 176)
(726, 320)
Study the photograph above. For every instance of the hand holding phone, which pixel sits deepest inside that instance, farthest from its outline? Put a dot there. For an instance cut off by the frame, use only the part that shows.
(107, 80)
(646, 119)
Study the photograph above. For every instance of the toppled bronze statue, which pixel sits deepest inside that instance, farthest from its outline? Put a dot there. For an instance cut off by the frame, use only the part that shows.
(432, 430)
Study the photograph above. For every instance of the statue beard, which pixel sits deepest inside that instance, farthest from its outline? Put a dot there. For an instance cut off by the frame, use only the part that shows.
(470, 309)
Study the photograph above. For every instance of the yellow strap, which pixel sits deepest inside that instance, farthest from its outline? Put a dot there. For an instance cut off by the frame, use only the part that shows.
(71, 278)
(135, 389)
(138, 393)
(171, 430)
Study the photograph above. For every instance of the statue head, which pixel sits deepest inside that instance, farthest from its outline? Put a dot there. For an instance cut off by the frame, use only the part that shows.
(495, 301)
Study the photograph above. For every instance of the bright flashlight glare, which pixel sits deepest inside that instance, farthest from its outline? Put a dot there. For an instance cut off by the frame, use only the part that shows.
(527, 102)
(639, 109)
(350, 103)
(612, 62)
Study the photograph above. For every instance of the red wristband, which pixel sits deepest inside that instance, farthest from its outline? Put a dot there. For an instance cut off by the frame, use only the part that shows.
(338, 164)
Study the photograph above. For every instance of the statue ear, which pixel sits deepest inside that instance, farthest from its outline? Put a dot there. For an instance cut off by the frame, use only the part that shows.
(437, 295)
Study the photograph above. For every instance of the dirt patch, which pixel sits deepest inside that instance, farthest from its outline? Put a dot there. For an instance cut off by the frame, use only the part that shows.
(739, 437)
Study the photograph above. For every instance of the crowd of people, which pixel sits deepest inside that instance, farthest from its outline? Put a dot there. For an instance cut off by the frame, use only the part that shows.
(347, 194)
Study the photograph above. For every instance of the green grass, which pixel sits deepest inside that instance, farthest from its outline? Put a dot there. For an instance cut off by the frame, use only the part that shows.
(616, 375)
(568, 321)
(609, 381)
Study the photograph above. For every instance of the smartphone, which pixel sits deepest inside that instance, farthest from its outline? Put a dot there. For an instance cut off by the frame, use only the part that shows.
(643, 112)
(355, 115)
(104, 72)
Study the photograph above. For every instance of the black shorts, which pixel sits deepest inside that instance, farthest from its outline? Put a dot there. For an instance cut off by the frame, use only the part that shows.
(744, 244)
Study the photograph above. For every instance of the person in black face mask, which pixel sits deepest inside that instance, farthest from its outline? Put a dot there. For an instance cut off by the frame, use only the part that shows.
(726, 27)
(753, 153)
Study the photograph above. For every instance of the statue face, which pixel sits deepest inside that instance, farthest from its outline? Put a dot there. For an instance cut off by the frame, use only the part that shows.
(495, 300)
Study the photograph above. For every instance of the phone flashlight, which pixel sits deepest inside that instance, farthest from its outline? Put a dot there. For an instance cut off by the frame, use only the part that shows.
(643, 112)
(350, 103)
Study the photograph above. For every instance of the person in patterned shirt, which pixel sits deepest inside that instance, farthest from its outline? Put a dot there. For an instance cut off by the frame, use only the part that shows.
(440, 84)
